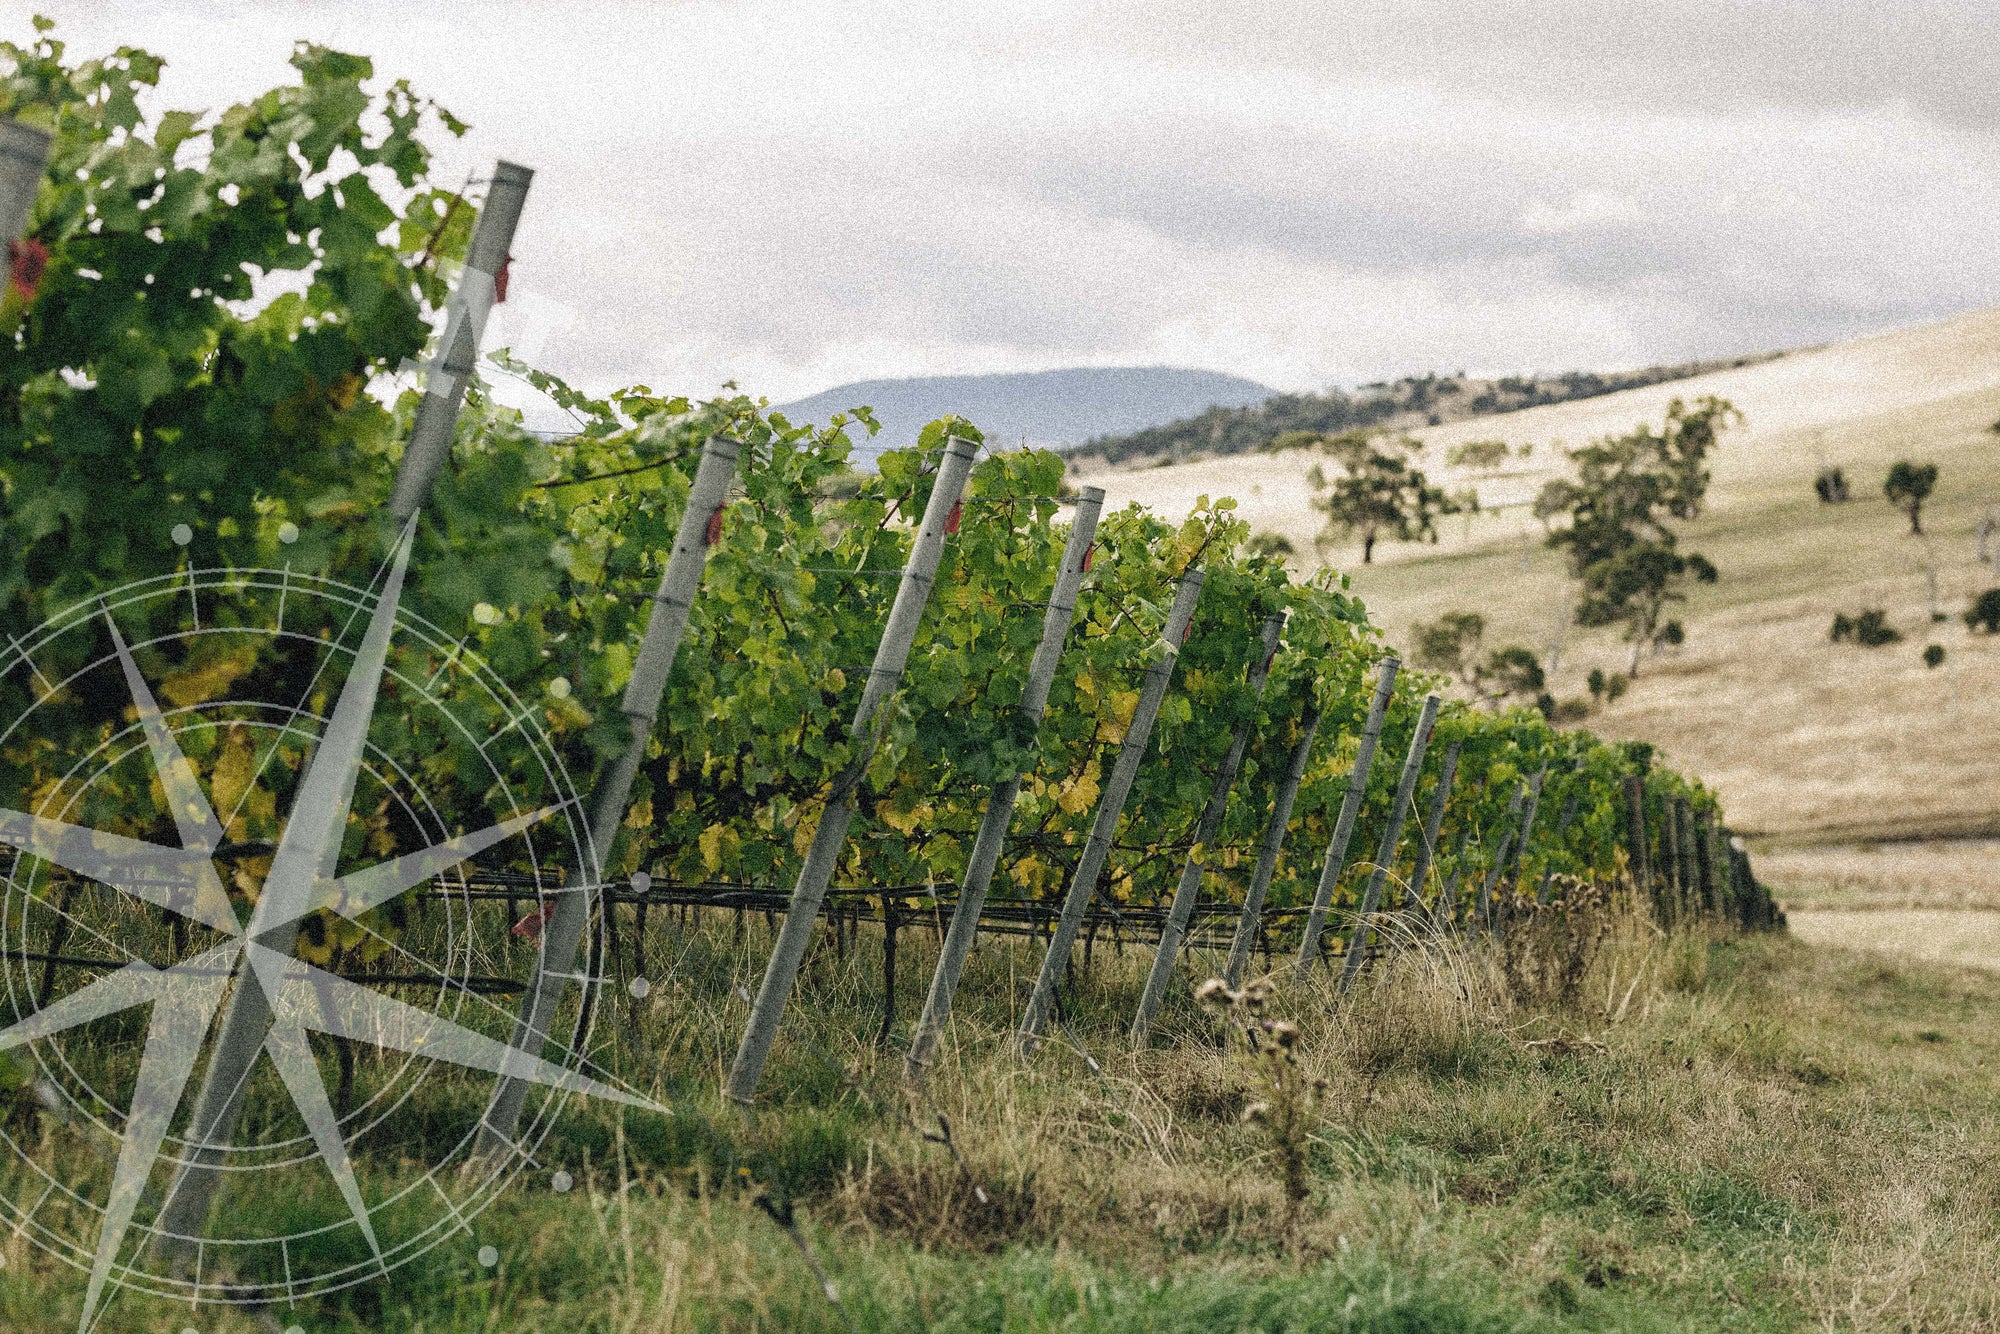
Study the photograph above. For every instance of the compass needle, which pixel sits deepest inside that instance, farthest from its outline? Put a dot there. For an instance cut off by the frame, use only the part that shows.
(180, 880)
(312, 998)
(200, 831)
(354, 894)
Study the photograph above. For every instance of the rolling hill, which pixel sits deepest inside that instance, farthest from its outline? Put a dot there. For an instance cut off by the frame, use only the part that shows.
(1058, 409)
(1808, 741)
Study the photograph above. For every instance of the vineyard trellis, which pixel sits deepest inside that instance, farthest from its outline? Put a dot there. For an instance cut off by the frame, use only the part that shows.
(1125, 708)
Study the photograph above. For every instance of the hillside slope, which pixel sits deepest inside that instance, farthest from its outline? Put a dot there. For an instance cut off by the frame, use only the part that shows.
(1808, 741)
(1051, 408)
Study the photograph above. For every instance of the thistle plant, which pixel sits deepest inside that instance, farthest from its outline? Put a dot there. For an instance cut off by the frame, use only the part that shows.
(1289, 1103)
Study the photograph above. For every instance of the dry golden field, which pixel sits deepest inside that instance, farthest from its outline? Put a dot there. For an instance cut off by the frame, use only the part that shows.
(1809, 743)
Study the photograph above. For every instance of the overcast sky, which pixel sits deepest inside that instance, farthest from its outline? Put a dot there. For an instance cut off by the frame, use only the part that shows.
(797, 194)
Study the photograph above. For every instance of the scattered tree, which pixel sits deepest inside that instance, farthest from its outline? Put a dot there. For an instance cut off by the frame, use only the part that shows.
(1618, 539)
(1452, 643)
(1831, 484)
(1908, 486)
(1869, 629)
(1272, 544)
(1378, 492)
(1934, 655)
(1985, 613)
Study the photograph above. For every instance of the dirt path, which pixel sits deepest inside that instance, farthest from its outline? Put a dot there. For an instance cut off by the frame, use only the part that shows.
(1938, 902)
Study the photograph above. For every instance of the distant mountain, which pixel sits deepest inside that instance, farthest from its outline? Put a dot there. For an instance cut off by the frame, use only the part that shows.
(1057, 409)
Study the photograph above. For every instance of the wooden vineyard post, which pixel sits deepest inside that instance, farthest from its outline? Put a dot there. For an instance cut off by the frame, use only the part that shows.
(899, 633)
(246, 1019)
(992, 837)
(1635, 841)
(1392, 834)
(1482, 913)
(24, 155)
(1188, 889)
(1343, 826)
(1267, 852)
(1110, 807)
(1413, 896)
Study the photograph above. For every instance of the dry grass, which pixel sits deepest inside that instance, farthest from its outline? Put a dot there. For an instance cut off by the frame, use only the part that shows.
(1808, 742)
(1713, 1133)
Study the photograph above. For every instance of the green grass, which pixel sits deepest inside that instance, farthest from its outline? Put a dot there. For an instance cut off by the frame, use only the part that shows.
(1726, 1134)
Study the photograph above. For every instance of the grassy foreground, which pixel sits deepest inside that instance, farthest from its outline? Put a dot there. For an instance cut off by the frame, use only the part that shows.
(1717, 1134)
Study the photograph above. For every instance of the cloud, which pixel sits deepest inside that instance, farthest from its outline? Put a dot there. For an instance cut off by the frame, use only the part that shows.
(796, 194)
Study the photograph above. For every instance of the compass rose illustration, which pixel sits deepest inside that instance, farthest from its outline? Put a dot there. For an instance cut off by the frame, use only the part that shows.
(241, 1004)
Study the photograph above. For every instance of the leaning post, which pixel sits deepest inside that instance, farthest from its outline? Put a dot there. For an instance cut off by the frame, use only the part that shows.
(1392, 834)
(1268, 850)
(1528, 822)
(458, 351)
(24, 156)
(1110, 807)
(1188, 889)
(1413, 896)
(992, 836)
(1635, 841)
(899, 634)
(247, 1018)
(1482, 914)
(665, 626)
(1343, 825)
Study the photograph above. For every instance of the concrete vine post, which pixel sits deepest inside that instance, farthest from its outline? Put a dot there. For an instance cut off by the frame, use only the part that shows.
(899, 634)
(1188, 889)
(992, 836)
(1110, 808)
(458, 351)
(1413, 896)
(1563, 822)
(1690, 858)
(562, 937)
(1444, 912)
(1718, 870)
(246, 1019)
(24, 156)
(1273, 844)
(1343, 826)
(1392, 834)
(1528, 822)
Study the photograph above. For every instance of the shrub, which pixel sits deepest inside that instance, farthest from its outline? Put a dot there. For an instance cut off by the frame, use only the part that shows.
(1572, 710)
(1934, 655)
(1985, 613)
(1477, 455)
(1870, 629)
(1831, 486)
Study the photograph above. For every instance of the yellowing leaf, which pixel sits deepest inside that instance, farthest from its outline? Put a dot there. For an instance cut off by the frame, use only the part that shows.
(710, 843)
(641, 814)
